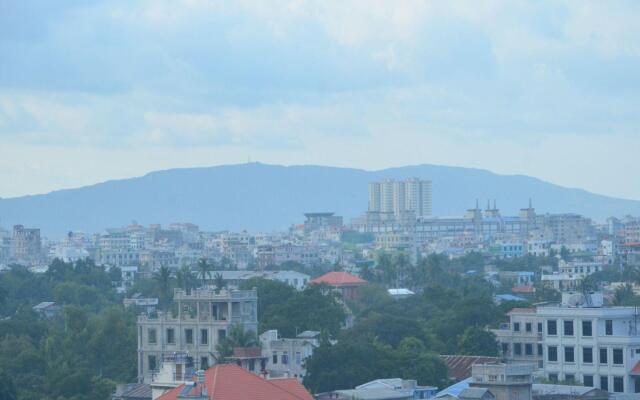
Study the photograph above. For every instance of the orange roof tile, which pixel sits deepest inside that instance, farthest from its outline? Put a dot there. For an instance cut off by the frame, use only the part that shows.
(338, 278)
(230, 382)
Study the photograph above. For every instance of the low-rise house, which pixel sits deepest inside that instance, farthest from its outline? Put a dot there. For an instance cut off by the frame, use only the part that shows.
(346, 284)
(459, 367)
(251, 359)
(490, 381)
(145, 305)
(383, 389)
(295, 279)
(286, 356)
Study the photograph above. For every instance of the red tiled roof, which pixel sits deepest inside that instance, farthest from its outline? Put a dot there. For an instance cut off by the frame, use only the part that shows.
(636, 369)
(336, 278)
(460, 366)
(230, 382)
(292, 385)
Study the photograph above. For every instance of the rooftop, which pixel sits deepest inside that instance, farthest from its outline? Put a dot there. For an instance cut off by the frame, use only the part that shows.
(230, 382)
(339, 278)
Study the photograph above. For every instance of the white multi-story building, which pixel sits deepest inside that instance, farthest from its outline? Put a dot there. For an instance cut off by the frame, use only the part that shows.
(400, 197)
(579, 340)
(200, 324)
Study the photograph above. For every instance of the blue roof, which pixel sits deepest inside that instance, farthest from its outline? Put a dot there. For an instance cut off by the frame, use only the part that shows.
(456, 389)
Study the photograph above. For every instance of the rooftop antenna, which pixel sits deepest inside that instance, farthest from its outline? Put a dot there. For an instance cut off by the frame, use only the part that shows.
(488, 204)
(477, 204)
(530, 203)
(494, 204)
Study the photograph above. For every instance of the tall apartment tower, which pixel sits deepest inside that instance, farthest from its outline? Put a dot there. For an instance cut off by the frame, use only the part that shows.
(401, 197)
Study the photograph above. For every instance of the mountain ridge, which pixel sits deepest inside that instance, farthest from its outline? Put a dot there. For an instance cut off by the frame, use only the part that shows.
(257, 196)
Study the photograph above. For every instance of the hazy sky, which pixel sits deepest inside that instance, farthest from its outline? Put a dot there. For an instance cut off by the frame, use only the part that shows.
(95, 90)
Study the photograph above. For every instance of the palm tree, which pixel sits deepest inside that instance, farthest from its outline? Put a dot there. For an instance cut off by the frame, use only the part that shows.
(204, 270)
(237, 336)
(219, 281)
(185, 278)
(624, 296)
(163, 278)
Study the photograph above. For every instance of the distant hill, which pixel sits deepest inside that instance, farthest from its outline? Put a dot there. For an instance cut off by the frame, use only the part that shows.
(260, 197)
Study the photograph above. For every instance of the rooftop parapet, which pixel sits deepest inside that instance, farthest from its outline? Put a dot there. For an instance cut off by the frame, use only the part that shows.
(214, 294)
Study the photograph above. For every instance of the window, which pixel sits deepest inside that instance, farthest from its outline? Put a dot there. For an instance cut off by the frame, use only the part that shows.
(528, 349)
(171, 337)
(527, 327)
(586, 328)
(152, 336)
(552, 353)
(553, 378)
(608, 327)
(516, 326)
(274, 358)
(587, 380)
(153, 364)
(252, 365)
(188, 336)
(222, 335)
(587, 355)
(552, 327)
(604, 383)
(568, 354)
(539, 327)
(569, 377)
(298, 358)
(204, 336)
(618, 384)
(539, 349)
(636, 385)
(603, 356)
(505, 348)
(617, 356)
(285, 358)
(517, 349)
(204, 363)
(568, 328)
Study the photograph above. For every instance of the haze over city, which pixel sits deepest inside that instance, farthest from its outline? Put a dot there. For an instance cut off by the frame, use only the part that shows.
(98, 90)
(319, 200)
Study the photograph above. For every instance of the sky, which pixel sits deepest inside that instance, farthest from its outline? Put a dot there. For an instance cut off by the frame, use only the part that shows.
(99, 90)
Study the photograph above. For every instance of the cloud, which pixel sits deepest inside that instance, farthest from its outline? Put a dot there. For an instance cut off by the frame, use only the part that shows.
(337, 82)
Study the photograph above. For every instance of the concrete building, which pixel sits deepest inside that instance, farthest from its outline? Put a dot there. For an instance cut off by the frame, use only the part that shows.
(504, 381)
(200, 324)
(321, 221)
(286, 356)
(26, 246)
(410, 196)
(578, 340)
